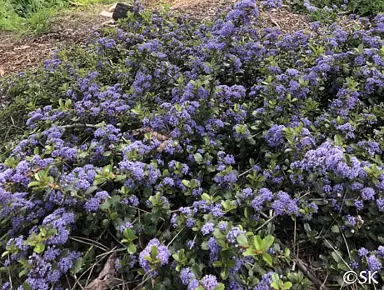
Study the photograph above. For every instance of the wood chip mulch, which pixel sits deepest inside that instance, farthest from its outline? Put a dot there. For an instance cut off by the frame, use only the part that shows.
(20, 53)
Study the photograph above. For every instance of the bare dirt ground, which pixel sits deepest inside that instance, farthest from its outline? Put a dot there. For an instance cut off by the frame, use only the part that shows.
(20, 53)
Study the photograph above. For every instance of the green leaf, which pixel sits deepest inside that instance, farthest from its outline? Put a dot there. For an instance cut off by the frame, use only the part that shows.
(24, 262)
(287, 252)
(198, 157)
(206, 197)
(275, 277)
(154, 252)
(336, 256)
(77, 265)
(267, 258)
(242, 240)
(217, 264)
(342, 266)
(258, 243)
(39, 248)
(132, 248)
(220, 286)
(224, 274)
(338, 140)
(129, 234)
(246, 212)
(176, 257)
(268, 242)
(249, 252)
(275, 285)
(23, 273)
(141, 272)
(36, 151)
(34, 183)
(105, 206)
(335, 229)
(91, 189)
(26, 286)
(185, 182)
(287, 285)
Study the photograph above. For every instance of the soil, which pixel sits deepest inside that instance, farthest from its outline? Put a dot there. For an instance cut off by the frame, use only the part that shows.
(20, 53)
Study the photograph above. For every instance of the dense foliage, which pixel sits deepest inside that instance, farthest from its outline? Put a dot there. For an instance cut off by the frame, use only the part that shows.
(200, 156)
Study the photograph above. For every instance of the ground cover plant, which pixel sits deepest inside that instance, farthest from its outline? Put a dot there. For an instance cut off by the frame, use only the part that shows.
(179, 155)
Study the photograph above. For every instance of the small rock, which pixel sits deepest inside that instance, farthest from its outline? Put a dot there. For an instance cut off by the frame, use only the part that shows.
(121, 11)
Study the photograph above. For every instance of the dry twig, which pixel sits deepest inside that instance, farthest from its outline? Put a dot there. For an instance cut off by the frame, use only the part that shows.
(303, 268)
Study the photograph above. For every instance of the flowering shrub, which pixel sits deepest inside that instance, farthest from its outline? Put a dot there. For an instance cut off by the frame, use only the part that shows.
(203, 156)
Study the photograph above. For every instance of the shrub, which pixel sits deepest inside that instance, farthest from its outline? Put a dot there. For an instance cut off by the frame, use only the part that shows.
(199, 156)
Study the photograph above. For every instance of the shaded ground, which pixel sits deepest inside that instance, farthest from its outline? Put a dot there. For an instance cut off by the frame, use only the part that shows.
(19, 54)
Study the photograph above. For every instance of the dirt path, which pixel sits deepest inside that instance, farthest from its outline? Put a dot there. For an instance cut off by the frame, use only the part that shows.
(17, 55)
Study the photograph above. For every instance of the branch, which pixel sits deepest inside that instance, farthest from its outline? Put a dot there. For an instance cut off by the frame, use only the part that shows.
(79, 126)
(303, 268)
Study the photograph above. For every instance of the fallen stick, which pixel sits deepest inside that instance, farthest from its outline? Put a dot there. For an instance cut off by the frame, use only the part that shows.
(303, 268)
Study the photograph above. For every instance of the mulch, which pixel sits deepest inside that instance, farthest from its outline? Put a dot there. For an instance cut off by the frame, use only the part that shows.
(20, 53)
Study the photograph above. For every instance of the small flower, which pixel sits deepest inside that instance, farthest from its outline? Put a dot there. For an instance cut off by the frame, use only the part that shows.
(207, 229)
(275, 136)
(209, 282)
(368, 193)
(351, 220)
(186, 276)
(233, 234)
(92, 204)
(373, 263)
(163, 255)
(127, 225)
(362, 252)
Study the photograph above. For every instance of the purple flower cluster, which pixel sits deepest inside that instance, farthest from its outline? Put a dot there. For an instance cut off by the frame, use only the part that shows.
(163, 255)
(283, 204)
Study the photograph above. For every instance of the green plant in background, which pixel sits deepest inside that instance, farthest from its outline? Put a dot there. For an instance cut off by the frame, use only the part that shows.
(26, 8)
(31, 16)
(34, 16)
(9, 19)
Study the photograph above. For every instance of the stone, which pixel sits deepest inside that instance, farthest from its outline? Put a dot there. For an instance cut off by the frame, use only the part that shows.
(121, 11)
